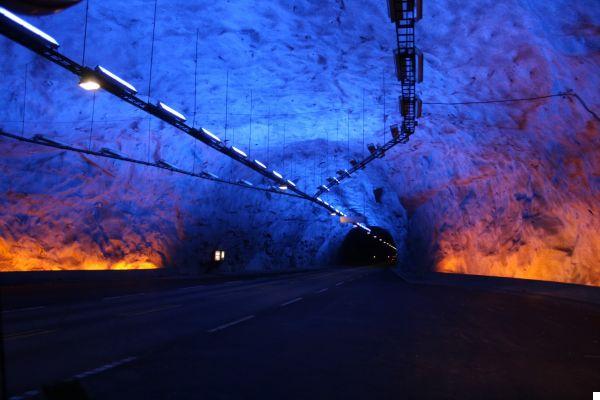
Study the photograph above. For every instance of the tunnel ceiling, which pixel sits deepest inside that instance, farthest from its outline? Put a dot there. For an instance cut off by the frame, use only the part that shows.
(506, 189)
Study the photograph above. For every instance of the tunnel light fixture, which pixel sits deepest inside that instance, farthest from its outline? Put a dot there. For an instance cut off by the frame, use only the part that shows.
(277, 174)
(324, 188)
(260, 164)
(209, 175)
(320, 200)
(165, 164)
(43, 139)
(111, 153)
(115, 80)
(28, 29)
(171, 112)
(239, 152)
(89, 83)
(290, 183)
(283, 187)
(245, 182)
(210, 134)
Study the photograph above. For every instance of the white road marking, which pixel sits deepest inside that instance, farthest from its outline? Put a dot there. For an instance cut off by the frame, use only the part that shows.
(287, 303)
(26, 334)
(227, 325)
(323, 290)
(153, 310)
(22, 309)
(339, 283)
(103, 368)
(191, 287)
(123, 296)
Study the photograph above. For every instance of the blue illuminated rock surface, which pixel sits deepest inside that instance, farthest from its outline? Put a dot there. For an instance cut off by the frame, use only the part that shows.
(507, 189)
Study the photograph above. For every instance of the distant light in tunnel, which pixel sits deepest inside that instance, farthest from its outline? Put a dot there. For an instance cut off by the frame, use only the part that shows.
(89, 83)
(324, 188)
(219, 255)
(277, 174)
(116, 80)
(260, 164)
(22, 24)
(283, 187)
(174, 113)
(240, 152)
(210, 134)
(291, 183)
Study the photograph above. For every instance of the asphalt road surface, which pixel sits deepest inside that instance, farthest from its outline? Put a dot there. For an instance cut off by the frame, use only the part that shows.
(360, 333)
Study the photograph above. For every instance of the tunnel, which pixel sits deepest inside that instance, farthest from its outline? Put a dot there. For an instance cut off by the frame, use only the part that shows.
(359, 248)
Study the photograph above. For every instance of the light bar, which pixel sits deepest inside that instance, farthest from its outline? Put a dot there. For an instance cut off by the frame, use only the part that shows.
(291, 183)
(209, 175)
(165, 164)
(324, 188)
(277, 174)
(245, 182)
(44, 139)
(260, 164)
(112, 153)
(106, 74)
(210, 134)
(283, 187)
(171, 111)
(240, 152)
(320, 200)
(30, 29)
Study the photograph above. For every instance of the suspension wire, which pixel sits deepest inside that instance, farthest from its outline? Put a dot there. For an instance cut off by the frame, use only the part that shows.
(195, 97)
(92, 121)
(561, 94)
(196, 79)
(250, 136)
(85, 27)
(348, 128)
(383, 89)
(268, 133)
(24, 100)
(226, 105)
(152, 49)
(363, 123)
(141, 162)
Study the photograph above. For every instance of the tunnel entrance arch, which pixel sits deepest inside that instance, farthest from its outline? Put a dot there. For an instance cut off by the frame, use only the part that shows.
(358, 248)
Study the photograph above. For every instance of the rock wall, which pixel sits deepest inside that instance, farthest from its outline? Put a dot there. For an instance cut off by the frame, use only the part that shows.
(506, 188)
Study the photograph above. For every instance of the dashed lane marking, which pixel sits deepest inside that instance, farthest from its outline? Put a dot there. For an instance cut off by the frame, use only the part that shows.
(105, 367)
(287, 303)
(323, 290)
(16, 310)
(153, 310)
(26, 334)
(339, 283)
(227, 325)
(123, 296)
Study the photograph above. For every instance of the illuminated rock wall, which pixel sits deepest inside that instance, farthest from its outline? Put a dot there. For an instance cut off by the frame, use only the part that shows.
(507, 189)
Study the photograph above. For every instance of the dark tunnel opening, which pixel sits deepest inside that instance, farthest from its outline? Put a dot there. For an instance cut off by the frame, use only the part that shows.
(358, 248)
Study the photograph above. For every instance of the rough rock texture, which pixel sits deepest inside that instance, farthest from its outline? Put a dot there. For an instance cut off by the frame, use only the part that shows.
(505, 189)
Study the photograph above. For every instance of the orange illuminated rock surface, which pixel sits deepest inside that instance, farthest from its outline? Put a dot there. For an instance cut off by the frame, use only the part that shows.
(505, 189)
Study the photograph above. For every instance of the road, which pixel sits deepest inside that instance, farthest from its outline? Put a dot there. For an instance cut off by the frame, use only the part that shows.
(359, 333)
